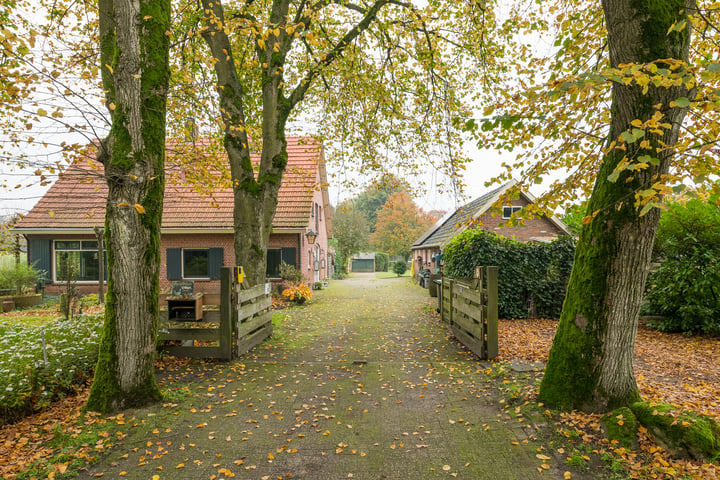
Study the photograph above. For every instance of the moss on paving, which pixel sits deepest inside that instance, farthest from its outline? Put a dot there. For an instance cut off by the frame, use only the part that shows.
(364, 380)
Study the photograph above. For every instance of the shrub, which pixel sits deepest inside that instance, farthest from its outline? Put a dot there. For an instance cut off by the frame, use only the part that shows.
(19, 277)
(382, 261)
(27, 383)
(297, 292)
(685, 288)
(400, 267)
(533, 276)
(291, 273)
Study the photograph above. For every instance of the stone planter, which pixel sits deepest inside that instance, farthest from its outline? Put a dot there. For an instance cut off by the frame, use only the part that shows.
(23, 301)
(7, 304)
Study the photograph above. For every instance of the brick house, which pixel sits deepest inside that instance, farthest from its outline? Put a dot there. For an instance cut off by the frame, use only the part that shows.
(483, 209)
(197, 228)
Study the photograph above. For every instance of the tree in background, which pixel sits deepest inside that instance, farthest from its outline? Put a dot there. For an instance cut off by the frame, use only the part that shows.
(685, 287)
(400, 222)
(372, 199)
(134, 56)
(351, 232)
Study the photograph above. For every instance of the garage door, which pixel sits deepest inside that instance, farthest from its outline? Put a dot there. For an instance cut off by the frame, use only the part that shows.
(363, 265)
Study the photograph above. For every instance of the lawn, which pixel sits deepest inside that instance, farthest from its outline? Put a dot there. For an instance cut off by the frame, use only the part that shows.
(391, 274)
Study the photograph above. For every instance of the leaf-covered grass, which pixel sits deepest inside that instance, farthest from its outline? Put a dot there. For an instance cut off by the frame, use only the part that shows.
(30, 317)
(28, 382)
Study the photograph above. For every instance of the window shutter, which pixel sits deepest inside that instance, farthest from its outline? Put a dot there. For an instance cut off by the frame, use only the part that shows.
(289, 256)
(174, 263)
(40, 256)
(215, 262)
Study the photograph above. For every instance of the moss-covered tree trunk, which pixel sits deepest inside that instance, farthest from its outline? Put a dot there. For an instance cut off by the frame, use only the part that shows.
(134, 56)
(591, 361)
(256, 194)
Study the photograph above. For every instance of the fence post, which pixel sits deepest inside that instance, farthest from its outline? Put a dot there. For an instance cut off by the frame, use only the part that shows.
(492, 312)
(226, 312)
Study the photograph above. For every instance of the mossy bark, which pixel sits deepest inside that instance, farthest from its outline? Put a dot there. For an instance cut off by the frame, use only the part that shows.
(134, 46)
(683, 433)
(590, 363)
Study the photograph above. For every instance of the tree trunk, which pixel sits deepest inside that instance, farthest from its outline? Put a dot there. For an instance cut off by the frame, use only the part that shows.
(590, 366)
(135, 46)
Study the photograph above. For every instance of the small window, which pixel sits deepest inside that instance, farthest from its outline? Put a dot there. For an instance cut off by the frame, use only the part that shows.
(195, 263)
(508, 211)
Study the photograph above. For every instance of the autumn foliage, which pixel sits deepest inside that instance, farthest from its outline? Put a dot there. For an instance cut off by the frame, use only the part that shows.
(399, 224)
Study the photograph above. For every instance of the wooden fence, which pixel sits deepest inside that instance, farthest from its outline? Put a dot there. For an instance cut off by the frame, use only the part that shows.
(470, 307)
(250, 325)
(254, 316)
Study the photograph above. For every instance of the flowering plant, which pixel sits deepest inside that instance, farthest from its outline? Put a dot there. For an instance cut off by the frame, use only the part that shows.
(297, 292)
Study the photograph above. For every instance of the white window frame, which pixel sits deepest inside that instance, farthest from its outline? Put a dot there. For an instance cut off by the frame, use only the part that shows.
(513, 209)
(55, 250)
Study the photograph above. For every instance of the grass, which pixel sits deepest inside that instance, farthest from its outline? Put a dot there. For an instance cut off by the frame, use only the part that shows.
(32, 317)
(391, 274)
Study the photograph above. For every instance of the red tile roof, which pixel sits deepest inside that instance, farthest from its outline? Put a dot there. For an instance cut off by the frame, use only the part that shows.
(77, 199)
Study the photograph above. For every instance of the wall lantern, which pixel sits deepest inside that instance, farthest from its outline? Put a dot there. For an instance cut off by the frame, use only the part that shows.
(311, 236)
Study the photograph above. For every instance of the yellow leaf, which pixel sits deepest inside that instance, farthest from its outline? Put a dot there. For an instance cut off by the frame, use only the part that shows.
(567, 475)
(111, 106)
(109, 68)
(147, 17)
(51, 214)
(42, 112)
(542, 457)
(156, 477)
(271, 456)
(180, 465)
(140, 210)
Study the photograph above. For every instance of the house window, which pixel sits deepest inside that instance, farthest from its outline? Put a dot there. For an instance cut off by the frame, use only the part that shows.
(275, 256)
(508, 211)
(76, 260)
(194, 263)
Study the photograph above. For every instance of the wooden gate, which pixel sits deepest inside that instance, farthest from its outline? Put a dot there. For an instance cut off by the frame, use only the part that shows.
(244, 314)
(254, 316)
(470, 308)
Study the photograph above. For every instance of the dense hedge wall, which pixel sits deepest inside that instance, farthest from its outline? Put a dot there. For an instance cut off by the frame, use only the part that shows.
(532, 276)
(685, 287)
(382, 262)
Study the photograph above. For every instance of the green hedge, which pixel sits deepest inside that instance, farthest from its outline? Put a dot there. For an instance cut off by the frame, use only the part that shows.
(382, 261)
(532, 276)
(685, 288)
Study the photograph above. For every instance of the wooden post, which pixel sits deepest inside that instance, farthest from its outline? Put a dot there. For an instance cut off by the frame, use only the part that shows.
(492, 312)
(227, 312)
(451, 287)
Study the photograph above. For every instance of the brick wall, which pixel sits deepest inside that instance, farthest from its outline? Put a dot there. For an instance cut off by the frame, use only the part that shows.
(533, 229)
(423, 259)
(196, 240)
